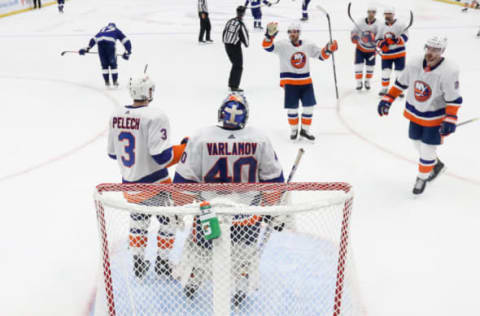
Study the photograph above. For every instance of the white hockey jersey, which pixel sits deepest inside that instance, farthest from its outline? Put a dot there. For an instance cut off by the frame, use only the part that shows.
(432, 93)
(136, 134)
(396, 28)
(217, 155)
(367, 32)
(294, 61)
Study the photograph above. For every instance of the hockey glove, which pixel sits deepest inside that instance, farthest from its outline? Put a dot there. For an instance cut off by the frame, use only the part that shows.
(83, 51)
(384, 105)
(331, 47)
(383, 45)
(355, 38)
(390, 38)
(271, 30)
(185, 140)
(126, 55)
(448, 126)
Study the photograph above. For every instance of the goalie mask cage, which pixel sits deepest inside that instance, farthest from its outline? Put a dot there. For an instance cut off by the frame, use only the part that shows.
(284, 249)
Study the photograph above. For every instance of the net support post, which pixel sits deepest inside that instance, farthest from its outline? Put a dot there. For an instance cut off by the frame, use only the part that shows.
(221, 267)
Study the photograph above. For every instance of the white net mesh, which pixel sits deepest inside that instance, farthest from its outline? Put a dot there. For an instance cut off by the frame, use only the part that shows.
(283, 249)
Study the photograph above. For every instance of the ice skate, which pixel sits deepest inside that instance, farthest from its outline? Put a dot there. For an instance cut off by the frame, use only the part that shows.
(438, 169)
(294, 134)
(306, 134)
(359, 86)
(238, 298)
(162, 267)
(367, 85)
(419, 186)
(140, 266)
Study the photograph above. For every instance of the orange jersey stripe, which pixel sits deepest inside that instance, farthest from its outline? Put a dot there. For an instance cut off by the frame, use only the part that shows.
(419, 121)
(295, 82)
(394, 56)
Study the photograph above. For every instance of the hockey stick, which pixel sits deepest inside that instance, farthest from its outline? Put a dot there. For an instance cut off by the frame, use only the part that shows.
(76, 52)
(468, 121)
(333, 55)
(268, 230)
(145, 70)
(272, 3)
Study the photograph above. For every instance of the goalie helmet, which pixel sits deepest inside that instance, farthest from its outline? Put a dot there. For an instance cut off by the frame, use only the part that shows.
(439, 42)
(294, 26)
(141, 88)
(233, 113)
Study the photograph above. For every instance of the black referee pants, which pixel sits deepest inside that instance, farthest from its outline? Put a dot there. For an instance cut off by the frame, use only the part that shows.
(234, 53)
(205, 27)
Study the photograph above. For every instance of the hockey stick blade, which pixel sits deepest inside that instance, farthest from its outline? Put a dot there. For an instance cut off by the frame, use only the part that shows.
(468, 121)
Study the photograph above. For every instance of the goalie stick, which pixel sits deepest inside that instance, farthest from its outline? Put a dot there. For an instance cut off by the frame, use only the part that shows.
(255, 277)
(268, 230)
(333, 55)
(265, 5)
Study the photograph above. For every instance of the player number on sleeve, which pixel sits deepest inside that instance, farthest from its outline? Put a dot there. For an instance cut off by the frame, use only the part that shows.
(128, 160)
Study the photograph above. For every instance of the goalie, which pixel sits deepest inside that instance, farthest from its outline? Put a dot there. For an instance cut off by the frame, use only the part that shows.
(230, 152)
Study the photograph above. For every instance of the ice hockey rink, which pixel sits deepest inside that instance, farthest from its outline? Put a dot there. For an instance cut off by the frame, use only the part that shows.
(414, 255)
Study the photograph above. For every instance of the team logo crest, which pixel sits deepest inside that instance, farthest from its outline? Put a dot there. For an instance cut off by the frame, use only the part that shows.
(298, 60)
(422, 91)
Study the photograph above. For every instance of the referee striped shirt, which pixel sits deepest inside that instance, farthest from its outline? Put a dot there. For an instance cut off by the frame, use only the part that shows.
(202, 6)
(235, 32)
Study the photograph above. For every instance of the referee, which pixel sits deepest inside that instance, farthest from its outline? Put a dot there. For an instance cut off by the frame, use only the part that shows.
(234, 34)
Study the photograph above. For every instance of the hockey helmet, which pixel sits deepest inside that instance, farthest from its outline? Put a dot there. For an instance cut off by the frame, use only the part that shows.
(233, 113)
(389, 10)
(141, 88)
(439, 42)
(294, 26)
(111, 24)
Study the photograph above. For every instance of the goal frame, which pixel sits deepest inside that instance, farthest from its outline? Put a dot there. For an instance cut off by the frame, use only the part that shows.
(224, 187)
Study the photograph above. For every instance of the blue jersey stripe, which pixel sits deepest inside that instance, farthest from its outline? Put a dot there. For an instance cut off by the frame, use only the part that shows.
(151, 178)
(427, 114)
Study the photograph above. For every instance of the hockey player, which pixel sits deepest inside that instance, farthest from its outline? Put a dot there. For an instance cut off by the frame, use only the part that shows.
(230, 152)
(295, 74)
(205, 25)
(305, 4)
(105, 39)
(391, 39)
(364, 38)
(433, 101)
(60, 3)
(139, 139)
(256, 6)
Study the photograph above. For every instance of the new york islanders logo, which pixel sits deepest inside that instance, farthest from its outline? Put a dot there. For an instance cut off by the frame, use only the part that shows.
(298, 60)
(422, 91)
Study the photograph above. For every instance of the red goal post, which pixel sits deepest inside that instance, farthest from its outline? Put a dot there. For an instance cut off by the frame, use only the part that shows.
(310, 260)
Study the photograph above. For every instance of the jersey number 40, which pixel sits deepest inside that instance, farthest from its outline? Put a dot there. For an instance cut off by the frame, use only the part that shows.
(219, 172)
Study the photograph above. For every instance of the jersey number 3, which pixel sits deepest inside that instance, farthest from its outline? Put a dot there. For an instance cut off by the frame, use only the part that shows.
(129, 159)
(219, 171)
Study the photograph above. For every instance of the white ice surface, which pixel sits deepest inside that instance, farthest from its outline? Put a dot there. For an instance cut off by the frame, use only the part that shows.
(414, 256)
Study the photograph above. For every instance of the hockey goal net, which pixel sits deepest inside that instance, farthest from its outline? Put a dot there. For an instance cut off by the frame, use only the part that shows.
(281, 249)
